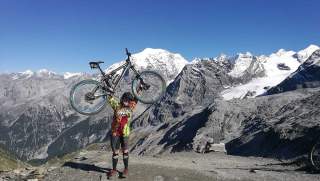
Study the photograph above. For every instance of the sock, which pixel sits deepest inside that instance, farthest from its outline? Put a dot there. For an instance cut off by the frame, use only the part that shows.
(115, 161)
(126, 160)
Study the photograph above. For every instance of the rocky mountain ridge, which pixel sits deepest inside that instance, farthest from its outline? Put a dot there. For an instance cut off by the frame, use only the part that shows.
(38, 123)
(36, 120)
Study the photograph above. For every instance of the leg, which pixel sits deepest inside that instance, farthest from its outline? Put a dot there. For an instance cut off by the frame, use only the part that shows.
(125, 151)
(115, 145)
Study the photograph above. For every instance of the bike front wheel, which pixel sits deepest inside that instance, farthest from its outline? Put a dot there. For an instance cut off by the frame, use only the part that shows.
(87, 97)
(315, 156)
(153, 87)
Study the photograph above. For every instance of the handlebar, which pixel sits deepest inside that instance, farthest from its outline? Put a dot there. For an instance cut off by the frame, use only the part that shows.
(128, 53)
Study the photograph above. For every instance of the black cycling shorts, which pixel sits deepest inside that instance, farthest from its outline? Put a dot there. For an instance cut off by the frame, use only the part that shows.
(117, 141)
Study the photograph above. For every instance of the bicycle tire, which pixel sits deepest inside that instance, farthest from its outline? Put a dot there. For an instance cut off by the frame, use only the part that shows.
(160, 82)
(74, 103)
(315, 156)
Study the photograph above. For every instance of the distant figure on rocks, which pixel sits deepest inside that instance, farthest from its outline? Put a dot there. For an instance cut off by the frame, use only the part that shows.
(121, 130)
(207, 147)
(203, 147)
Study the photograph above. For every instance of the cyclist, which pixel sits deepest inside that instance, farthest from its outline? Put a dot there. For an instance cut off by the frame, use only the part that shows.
(120, 129)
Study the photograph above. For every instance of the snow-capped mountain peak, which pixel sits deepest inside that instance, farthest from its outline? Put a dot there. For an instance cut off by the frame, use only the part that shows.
(195, 60)
(276, 67)
(306, 76)
(45, 72)
(159, 56)
(283, 53)
(42, 73)
(148, 51)
(314, 59)
(242, 61)
(27, 73)
(309, 50)
(221, 58)
(68, 75)
(167, 63)
(24, 74)
(244, 55)
(302, 55)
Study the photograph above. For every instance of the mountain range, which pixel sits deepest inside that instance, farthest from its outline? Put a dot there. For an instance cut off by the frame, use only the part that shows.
(227, 99)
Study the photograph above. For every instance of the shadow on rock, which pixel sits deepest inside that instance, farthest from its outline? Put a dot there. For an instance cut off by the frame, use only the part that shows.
(254, 169)
(86, 167)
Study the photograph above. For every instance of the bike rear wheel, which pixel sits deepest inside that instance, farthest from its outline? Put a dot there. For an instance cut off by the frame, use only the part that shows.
(156, 87)
(315, 156)
(87, 97)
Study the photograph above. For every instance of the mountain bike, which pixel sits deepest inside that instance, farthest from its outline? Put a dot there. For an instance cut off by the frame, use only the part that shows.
(315, 156)
(90, 96)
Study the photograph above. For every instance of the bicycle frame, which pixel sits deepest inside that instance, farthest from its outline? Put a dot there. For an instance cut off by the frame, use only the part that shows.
(125, 67)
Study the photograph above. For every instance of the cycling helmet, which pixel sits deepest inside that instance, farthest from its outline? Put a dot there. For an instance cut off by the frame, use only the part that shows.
(127, 96)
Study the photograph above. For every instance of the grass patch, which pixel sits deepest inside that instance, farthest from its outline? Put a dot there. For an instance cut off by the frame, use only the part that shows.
(8, 161)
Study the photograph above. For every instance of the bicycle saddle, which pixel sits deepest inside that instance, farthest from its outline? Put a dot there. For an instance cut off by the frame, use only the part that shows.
(98, 62)
(95, 64)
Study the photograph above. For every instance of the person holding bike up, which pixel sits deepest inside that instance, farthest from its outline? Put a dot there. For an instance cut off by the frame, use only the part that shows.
(120, 129)
(89, 97)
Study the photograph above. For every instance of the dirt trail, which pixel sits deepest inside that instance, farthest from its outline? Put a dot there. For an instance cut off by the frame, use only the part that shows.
(92, 165)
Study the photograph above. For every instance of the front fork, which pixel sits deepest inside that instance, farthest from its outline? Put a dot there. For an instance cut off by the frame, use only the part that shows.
(142, 85)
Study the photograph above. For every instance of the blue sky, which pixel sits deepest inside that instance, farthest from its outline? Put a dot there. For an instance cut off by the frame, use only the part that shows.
(63, 35)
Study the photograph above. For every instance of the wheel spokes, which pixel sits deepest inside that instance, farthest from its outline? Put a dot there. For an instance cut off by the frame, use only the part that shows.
(88, 98)
(152, 87)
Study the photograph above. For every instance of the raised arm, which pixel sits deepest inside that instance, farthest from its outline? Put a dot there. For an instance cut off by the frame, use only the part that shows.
(114, 103)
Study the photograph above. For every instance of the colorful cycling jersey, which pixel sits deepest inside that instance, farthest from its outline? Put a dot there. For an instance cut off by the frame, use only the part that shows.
(121, 118)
